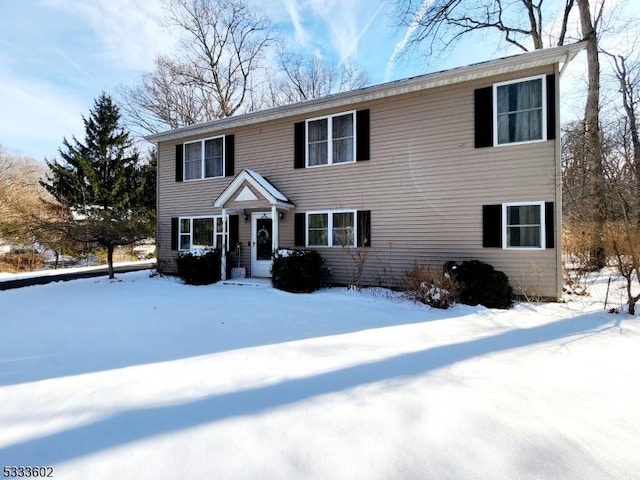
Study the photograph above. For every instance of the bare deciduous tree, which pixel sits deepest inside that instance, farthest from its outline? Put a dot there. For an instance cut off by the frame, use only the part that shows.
(626, 70)
(19, 195)
(592, 128)
(222, 45)
(440, 23)
(304, 78)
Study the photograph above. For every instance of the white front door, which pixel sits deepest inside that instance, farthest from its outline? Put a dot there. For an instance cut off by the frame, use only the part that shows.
(261, 244)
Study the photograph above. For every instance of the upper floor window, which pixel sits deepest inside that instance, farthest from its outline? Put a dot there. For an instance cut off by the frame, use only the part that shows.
(204, 159)
(520, 111)
(331, 139)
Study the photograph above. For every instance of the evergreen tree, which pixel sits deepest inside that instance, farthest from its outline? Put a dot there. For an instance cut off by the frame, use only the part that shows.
(101, 183)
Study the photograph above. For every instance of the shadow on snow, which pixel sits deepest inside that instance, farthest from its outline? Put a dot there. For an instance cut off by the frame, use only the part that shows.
(82, 330)
(140, 424)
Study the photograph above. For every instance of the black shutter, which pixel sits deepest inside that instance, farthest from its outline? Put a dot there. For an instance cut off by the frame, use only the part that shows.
(229, 155)
(483, 115)
(492, 226)
(362, 135)
(364, 228)
(179, 164)
(234, 232)
(549, 221)
(299, 228)
(551, 107)
(174, 233)
(299, 143)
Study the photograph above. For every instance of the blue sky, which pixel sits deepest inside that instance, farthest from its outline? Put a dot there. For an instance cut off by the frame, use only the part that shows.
(57, 56)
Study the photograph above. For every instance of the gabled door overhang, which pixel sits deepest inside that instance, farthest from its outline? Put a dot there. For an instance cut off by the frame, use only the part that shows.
(237, 192)
(251, 191)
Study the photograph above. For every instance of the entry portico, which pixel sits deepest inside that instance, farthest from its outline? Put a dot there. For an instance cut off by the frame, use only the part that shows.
(257, 200)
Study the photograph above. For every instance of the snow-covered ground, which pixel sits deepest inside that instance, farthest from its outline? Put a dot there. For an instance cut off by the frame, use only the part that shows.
(145, 378)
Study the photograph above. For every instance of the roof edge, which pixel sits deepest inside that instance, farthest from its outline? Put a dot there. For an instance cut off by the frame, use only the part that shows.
(563, 54)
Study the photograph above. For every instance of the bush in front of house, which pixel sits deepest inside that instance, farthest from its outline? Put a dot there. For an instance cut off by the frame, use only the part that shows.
(481, 284)
(199, 267)
(296, 271)
(431, 285)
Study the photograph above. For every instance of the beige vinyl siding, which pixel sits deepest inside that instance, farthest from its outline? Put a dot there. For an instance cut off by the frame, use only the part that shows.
(425, 185)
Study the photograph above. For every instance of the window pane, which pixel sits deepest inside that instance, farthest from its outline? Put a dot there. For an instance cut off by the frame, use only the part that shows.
(343, 230)
(343, 150)
(317, 130)
(520, 96)
(318, 220)
(317, 135)
(202, 232)
(523, 237)
(318, 229)
(213, 158)
(220, 234)
(318, 238)
(192, 160)
(185, 242)
(185, 225)
(523, 215)
(342, 134)
(342, 126)
(317, 153)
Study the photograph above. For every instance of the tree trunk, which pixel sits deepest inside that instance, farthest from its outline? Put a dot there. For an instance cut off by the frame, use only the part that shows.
(592, 126)
(110, 260)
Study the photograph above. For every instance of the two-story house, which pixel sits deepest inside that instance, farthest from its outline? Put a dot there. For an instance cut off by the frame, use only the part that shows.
(460, 164)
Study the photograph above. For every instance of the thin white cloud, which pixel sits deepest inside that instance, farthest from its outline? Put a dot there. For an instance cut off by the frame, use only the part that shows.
(354, 45)
(300, 34)
(131, 33)
(400, 46)
(340, 18)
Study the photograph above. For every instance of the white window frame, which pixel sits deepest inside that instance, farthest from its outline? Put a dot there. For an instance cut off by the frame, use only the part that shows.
(216, 233)
(329, 119)
(202, 163)
(329, 214)
(543, 232)
(542, 79)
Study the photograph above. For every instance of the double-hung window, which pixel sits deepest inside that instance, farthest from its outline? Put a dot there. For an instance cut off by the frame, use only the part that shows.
(520, 111)
(523, 225)
(197, 233)
(331, 229)
(331, 139)
(204, 159)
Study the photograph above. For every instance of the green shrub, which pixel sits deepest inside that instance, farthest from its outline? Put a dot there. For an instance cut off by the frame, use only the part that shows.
(199, 268)
(296, 270)
(480, 283)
